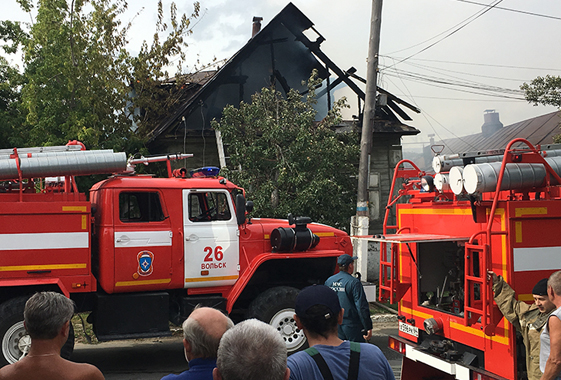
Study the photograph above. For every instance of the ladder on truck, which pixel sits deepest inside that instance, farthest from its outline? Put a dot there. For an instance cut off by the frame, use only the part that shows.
(389, 287)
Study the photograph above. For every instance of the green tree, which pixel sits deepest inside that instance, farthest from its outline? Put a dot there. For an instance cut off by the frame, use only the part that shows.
(544, 90)
(12, 113)
(81, 81)
(287, 161)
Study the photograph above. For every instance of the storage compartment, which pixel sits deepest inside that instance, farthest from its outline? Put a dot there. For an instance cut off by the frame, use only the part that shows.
(126, 316)
(441, 276)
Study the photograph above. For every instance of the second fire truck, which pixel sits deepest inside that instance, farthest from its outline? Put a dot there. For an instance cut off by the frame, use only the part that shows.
(498, 211)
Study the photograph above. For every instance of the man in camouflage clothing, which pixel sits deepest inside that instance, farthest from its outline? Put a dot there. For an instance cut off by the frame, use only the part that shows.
(529, 320)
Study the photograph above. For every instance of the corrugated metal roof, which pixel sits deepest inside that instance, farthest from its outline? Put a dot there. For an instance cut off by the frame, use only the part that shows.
(538, 131)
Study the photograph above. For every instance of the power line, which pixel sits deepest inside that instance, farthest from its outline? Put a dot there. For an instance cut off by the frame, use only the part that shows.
(513, 10)
(454, 81)
(478, 64)
(424, 113)
(461, 99)
(439, 70)
(457, 83)
(448, 86)
(456, 28)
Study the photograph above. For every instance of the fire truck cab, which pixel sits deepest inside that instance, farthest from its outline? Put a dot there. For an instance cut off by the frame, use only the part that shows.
(499, 211)
(144, 251)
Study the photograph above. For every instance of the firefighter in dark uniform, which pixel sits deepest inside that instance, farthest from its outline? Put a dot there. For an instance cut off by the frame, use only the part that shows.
(357, 325)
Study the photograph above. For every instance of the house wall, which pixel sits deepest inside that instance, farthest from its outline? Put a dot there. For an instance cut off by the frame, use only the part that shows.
(386, 153)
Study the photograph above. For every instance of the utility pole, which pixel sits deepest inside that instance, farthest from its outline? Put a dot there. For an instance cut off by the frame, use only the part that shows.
(361, 220)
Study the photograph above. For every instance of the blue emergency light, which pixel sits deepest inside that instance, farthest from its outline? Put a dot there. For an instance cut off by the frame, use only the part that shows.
(205, 172)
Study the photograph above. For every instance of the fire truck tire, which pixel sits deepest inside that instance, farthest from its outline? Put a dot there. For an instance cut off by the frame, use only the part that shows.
(275, 306)
(12, 332)
(13, 336)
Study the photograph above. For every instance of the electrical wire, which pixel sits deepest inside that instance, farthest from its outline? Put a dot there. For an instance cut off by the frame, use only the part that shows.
(459, 85)
(456, 29)
(513, 10)
(437, 70)
(424, 113)
(477, 64)
(461, 99)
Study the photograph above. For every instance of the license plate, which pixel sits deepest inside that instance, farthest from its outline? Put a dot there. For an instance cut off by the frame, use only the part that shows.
(408, 329)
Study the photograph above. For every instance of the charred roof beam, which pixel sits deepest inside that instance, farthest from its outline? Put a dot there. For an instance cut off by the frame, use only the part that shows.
(314, 47)
(334, 84)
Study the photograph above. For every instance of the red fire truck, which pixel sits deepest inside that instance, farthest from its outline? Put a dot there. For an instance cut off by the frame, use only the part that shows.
(143, 251)
(498, 211)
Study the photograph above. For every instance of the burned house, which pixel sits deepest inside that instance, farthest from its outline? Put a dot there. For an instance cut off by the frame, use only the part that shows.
(280, 55)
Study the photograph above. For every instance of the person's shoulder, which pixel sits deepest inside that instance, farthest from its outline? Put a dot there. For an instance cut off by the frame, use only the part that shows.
(297, 356)
(85, 371)
(335, 277)
(369, 349)
(171, 376)
(8, 371)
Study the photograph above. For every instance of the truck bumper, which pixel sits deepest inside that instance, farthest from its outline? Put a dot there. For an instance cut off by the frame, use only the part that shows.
(418, 364)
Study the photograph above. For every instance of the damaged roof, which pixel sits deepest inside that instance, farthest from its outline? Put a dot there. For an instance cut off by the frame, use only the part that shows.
(280, 55)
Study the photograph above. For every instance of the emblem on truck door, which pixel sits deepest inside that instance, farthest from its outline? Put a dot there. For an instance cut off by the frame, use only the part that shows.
(145, 263)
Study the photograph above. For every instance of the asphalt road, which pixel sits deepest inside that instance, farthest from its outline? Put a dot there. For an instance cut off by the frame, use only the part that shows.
(151, 359)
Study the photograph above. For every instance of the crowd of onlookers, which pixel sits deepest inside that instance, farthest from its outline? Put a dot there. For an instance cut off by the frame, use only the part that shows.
(217, 349)
(214, 347)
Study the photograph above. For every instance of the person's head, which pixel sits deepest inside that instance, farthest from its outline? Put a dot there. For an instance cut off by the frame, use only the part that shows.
(540, 296)
(554, 288)
(346, 263)
(202, 332)
(251, 350)
(46, 314)
(318, 311)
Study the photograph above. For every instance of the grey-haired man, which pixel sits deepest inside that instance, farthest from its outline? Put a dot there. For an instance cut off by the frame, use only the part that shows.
(47, 320)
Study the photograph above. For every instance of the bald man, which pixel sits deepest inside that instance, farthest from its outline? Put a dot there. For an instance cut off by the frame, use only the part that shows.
(202, 332)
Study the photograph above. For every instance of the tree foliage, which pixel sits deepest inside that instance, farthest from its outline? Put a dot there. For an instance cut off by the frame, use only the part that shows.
(11, 114)
(544, 90)
(80, 80)
(288, 162)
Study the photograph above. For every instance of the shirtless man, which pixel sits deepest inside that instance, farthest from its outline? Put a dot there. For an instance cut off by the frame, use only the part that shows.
(47, 320)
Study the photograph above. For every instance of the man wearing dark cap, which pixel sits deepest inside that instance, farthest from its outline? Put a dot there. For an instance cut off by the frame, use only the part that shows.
(528, 319)
(357, 325)
(318, 313)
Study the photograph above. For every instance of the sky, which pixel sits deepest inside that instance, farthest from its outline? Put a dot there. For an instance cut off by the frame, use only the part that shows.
(488, 52)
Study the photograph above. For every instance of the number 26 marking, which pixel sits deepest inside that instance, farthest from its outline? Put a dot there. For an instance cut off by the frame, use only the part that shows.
(218, 254)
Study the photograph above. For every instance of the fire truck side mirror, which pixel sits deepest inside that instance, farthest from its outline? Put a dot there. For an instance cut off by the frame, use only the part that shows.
(240, 209)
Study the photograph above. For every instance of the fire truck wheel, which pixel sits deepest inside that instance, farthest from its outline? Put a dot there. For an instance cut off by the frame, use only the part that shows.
(14, 338)
(276, 307)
